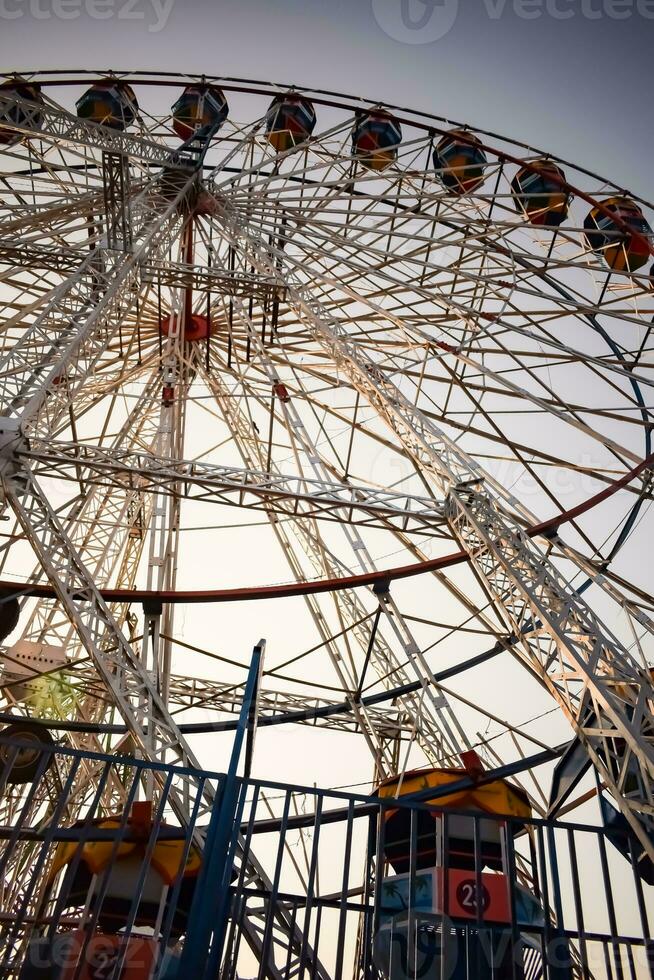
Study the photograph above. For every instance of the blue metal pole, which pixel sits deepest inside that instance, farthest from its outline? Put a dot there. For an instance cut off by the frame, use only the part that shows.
(210, 909)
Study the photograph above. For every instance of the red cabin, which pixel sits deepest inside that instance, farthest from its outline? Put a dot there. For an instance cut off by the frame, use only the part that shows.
(291, 120)
(375, 139)
(622, 236)
(199, 107)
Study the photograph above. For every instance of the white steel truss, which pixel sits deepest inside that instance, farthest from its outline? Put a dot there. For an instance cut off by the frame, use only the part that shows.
(425, 321)
(220, 484)
(605, 693)
(45, 121)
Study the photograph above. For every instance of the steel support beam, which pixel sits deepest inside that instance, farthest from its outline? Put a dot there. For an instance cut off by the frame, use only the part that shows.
(117, 184)
(53, 124)
(606, 695)
(237, 486)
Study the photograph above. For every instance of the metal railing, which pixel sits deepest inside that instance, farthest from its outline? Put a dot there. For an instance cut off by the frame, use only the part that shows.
(95, 881)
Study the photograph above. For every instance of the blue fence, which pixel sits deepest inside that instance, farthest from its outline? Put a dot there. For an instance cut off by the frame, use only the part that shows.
(100, 882)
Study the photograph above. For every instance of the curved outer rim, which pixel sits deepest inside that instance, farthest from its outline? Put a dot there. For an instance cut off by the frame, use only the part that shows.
(416, 118)
(382, 577)
(425, 121)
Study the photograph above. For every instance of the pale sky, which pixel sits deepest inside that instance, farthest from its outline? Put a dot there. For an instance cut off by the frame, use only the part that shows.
(571, 76)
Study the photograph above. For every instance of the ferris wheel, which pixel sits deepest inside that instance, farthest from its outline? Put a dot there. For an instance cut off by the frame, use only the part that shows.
(371, 380)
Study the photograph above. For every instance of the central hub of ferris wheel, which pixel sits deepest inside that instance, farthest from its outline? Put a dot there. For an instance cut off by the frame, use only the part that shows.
(198, 328)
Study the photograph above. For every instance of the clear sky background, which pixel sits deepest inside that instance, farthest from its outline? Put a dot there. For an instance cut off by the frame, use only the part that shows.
(571, 76)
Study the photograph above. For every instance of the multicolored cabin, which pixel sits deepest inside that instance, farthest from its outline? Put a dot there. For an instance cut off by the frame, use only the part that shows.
(496, 798)
(199, 107)
(109, 102)
(290, 121)
(460, 161)
(453, 861)
(19, 115)
(86, 864)
(101, 881)
(375, 139)
(539, 191)
(622, 236)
